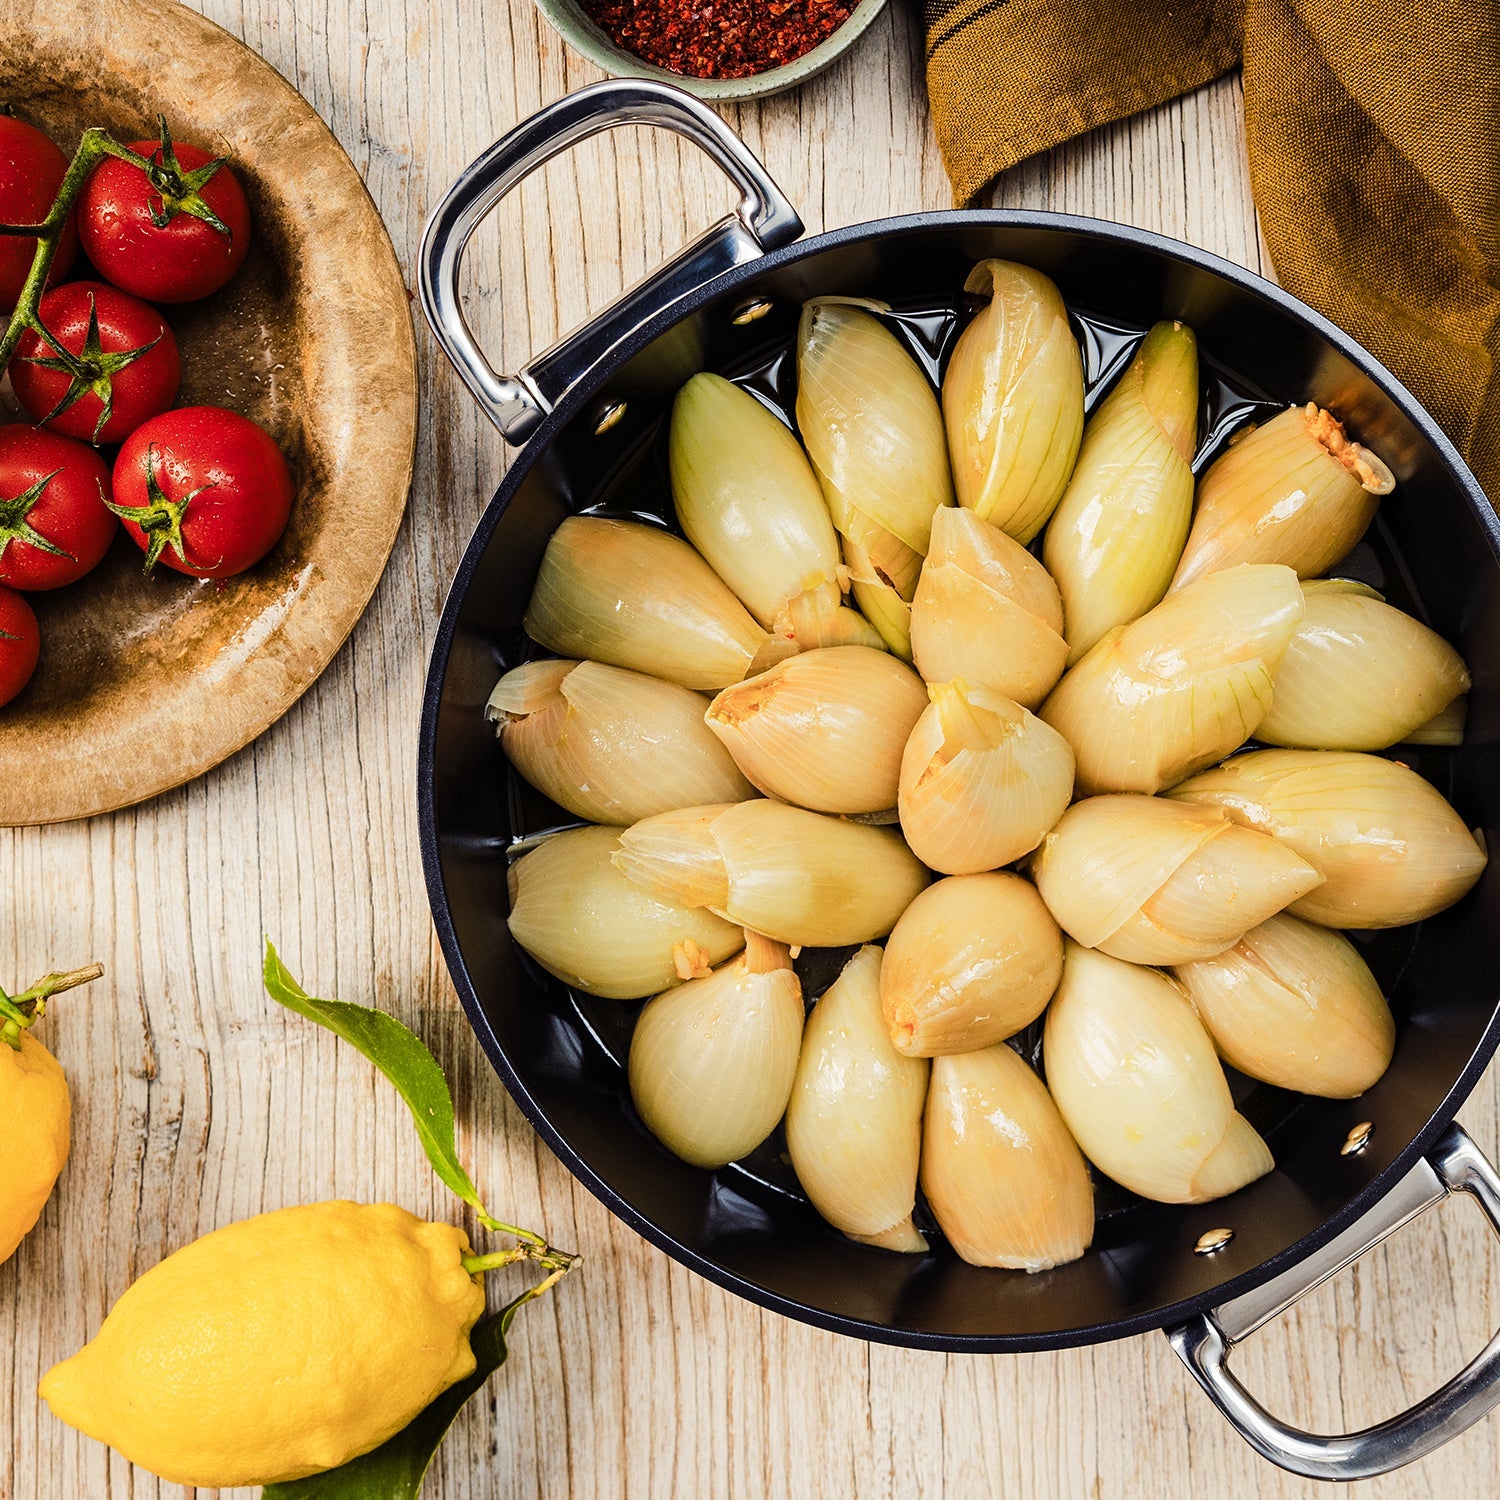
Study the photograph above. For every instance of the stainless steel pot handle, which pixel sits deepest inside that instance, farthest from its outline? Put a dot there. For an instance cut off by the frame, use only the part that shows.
(763, 221)
(1455, 1164)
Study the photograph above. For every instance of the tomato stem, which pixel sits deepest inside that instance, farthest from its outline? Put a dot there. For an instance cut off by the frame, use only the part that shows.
(91, 371)
(17, 1012)
(92, 149)
(160, 518)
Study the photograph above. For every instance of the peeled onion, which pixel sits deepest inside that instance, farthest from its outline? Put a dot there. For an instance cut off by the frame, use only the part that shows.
(1013, 400)
(1296, 491)
(1004, 1179)
(1115, 538)
(824, 729)
(874, 433)
(635, 596)
(584, 922)
(1139, 1085)
(748, 500)
(1296, 1006)
(982, 779)
(1159, 882)
(987, 611)
(1180, 687)
(1358, 674)
(1391, 848)
(973, 960)
(609, 745)
(712, 1062)
(854, 1122)
(797, 876)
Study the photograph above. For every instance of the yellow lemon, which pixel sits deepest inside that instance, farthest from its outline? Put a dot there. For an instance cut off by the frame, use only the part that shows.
(276, 1347)
(34, 1114)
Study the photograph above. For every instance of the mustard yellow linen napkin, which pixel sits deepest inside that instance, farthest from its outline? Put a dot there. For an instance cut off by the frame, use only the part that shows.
(1374, 136)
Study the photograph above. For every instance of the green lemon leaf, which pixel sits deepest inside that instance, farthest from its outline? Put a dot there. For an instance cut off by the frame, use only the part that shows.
(394, 1471)
(404, 1059)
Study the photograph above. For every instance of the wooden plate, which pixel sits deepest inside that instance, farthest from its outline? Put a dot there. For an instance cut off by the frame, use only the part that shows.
(146, 683)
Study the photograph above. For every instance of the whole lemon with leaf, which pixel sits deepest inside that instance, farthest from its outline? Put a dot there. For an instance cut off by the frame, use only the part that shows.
(332, 1336)
(277, 1347)
(35, 1111)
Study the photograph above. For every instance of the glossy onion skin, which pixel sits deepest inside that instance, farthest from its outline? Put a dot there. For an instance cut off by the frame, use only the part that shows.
(585, 923)
(874, 433)
(982, 780)
(1295, 491)
(823, 729)
(1358, 674)
(610, 745)
(748, 500)
(987, 611)
(638, 597)
(973, 960)
(1013, 400)
(1159, 882)
(1003, 1177)
(1116, 536)
(712, 1062)
(1182, 686)
(1295, 1005)
(854, 1121)
(1391, 848)
(796, 876)
(1139, 1085)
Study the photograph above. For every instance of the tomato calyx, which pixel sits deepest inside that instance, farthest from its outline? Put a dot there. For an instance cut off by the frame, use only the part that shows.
(177, 189)
(14, 527)
(90, 372)
(160, 518)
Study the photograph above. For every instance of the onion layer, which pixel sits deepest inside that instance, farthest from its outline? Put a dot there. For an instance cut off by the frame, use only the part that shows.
(854, 1122)
(1013, 400)
(1135, 1076)
(1003, 1177)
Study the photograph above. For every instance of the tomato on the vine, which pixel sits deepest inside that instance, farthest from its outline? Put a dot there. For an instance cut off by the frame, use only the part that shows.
(109, 362)
(55, 523)
(174, 233)
(31, 171)
(20, 644)
(203, 490)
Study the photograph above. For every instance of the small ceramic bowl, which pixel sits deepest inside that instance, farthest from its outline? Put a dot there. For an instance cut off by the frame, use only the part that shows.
(573, 24)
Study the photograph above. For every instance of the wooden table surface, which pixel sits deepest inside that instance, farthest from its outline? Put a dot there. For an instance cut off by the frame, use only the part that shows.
(198, 1102)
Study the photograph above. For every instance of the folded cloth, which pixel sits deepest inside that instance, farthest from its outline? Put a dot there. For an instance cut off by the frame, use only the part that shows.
(1374, 140)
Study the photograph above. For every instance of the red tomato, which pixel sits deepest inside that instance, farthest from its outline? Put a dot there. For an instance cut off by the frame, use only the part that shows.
(173, 236)
(31, 171)
(54, 520)
(118, 365)
(20, 644)
(204, 490)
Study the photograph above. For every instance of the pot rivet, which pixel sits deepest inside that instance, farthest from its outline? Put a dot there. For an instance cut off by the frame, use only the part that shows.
(609, 417)
(1212, 1242)
(1357, 1139)
(749, 312)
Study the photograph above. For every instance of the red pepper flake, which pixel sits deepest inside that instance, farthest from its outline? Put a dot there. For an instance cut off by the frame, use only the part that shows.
(719, 38)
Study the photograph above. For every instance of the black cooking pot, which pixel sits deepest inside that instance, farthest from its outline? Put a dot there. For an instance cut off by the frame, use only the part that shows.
(594, 410)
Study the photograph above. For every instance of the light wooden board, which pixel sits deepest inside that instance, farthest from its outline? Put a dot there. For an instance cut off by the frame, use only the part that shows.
(197, 1103)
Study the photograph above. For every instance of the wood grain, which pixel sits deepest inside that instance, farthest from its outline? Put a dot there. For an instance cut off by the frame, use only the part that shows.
(198, 1103)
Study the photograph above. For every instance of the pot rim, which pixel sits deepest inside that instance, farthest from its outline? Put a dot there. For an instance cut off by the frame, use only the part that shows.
(576, 398)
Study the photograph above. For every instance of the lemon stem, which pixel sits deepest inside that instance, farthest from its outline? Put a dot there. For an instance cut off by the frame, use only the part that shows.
(477, 1265)
(17, 1012)
(557, 1262)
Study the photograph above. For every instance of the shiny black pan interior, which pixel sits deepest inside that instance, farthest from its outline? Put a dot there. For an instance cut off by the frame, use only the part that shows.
(1434, 550)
